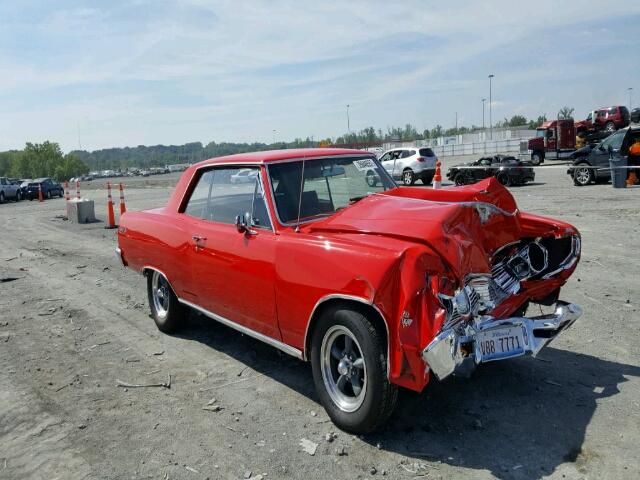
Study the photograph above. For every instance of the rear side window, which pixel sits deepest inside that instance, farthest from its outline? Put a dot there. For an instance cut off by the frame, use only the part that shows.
(407, 153)
(426, 152)
(222, 194)
(613, 110)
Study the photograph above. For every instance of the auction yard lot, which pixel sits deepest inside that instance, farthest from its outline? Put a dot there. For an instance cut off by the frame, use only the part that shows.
(74, 322)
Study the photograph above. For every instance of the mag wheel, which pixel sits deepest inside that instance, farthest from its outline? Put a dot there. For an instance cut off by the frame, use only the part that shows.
(165, 307)
(349, 362)
(408, 177)
(610, 127)
(582, 175)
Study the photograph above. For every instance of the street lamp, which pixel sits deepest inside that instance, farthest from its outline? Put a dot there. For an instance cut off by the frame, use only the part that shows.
(274, 136)
(348, 124)
(490, 115)
(630, 89)
(483, 100)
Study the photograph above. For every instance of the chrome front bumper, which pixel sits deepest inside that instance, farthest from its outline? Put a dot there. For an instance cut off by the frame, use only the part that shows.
(455, 350)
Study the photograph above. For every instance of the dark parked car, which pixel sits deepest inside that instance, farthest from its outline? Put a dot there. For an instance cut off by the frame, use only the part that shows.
(50, 189)
(591, 164)
(635, 115)
(507, 170)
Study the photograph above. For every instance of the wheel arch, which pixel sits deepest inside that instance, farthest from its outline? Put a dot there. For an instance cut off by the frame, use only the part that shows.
(358, 304)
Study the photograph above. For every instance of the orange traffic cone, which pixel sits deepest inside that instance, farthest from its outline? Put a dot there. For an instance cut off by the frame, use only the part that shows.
(123, 208)
(78, 189)
(437, 177)
(40, 197)
(111, 220)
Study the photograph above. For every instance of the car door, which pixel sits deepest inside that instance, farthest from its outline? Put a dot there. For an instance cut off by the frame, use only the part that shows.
(232, 273)
(388, 161)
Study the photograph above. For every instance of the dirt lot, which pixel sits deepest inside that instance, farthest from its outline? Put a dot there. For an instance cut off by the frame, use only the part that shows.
(73, 322)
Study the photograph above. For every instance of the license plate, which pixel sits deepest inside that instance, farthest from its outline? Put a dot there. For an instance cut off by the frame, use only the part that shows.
(499, 343)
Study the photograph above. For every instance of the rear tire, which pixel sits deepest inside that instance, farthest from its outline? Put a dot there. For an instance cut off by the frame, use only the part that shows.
(166, 310)
(349, 363)
(504, 178)
(460, 179)
(428, 180)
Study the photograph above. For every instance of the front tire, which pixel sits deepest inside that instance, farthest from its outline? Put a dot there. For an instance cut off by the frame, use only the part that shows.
(349, 363)
(610, 127)
(166, 310)
(536, 158)
(583, 175)
(428, 180)
(408, 177)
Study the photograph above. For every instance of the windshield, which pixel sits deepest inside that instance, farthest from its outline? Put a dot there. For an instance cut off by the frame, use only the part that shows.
(329, 185)
(541, 132)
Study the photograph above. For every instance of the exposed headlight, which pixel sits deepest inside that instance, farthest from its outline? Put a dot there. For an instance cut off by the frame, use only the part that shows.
(461, 302)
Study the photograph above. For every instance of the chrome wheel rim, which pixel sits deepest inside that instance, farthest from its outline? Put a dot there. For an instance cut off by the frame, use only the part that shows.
(344, 370)
(160, 294)
(582, 175)
(407, 177)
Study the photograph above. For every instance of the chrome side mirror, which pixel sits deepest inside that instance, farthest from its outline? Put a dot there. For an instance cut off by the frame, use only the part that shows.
(243, 224)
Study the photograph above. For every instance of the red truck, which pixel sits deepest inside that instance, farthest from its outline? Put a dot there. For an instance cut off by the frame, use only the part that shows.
(555, 140)
(608, 119)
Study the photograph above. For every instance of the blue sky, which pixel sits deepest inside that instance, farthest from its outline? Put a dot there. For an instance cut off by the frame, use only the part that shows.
(126, 73)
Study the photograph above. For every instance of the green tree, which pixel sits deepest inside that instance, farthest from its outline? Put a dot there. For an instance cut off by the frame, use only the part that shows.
(565, 112)
(536, 123)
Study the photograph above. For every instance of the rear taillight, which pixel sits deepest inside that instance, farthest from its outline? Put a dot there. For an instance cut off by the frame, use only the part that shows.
(421, 159)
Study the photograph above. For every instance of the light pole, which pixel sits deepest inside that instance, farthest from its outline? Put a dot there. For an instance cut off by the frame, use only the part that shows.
(483, 100)
(630, 89)
(490, 114)
(348, 123)
(456, 123)
(274, 136)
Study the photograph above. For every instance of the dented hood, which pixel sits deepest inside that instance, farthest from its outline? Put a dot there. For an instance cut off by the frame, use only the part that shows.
(463, 226)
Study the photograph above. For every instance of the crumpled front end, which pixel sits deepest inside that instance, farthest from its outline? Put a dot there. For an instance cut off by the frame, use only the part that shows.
(484, 318)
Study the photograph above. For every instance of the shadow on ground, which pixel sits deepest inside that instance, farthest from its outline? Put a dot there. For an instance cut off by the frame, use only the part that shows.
(518, 419)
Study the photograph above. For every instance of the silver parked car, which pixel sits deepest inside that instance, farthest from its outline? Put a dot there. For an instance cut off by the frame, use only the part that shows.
(410, 164)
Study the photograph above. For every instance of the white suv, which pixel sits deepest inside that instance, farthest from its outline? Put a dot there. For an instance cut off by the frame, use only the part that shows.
(409, 164)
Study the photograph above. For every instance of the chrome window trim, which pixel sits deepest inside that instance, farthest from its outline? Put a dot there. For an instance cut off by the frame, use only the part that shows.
(322, 157)
(254, 166)
(246, 330)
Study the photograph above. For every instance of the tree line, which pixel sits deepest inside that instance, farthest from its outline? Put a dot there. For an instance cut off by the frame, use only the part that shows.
(47, 160)
(39, 160)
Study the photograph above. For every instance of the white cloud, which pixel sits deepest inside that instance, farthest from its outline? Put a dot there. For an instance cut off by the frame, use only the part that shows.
(239, 68)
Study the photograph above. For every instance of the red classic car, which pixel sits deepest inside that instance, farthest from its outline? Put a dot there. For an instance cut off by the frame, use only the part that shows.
(322, 256)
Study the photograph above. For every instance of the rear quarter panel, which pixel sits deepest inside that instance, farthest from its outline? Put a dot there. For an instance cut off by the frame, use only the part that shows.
(158, 239)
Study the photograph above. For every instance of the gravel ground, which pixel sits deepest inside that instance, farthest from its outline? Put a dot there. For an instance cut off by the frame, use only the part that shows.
(74, 322)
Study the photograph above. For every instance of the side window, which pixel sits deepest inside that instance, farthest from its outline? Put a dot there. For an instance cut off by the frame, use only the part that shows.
(222, 194)
(2, 181)
(407, 153)
(615, 140)
(386, 157)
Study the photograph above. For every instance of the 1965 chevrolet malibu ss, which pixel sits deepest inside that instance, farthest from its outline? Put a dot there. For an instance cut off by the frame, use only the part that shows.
(322, 256)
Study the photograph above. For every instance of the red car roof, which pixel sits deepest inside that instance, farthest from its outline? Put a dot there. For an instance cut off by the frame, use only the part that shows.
(275, 155)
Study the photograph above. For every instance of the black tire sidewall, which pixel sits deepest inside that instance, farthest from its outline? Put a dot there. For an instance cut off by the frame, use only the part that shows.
(365, 418)
(413, 177)
(171, 322)
(504, 179)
